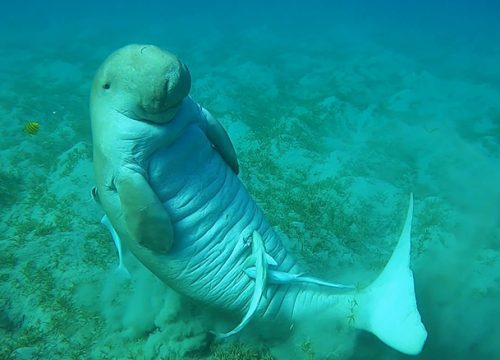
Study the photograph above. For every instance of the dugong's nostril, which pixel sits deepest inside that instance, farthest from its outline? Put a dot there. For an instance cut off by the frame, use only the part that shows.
(165, 87)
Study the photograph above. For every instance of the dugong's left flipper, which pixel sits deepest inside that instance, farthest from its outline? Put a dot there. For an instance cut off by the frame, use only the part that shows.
(146, 219)
(220, 140)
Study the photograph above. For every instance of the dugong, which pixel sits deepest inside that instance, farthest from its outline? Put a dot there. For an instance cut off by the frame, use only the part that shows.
(167, 179)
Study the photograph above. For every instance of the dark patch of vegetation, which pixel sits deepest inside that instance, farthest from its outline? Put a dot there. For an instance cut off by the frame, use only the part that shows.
(10, 186)
(239, 351)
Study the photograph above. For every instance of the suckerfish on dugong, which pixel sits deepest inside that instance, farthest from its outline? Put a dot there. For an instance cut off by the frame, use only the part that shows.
(166, 177)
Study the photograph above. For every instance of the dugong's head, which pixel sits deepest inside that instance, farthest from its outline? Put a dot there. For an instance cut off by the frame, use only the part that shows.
(141, 82)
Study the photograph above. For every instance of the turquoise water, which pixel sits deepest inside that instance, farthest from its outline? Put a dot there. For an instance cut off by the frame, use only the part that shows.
(337, 111)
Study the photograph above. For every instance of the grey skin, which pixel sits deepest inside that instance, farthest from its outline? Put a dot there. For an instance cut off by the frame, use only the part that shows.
(166, 177)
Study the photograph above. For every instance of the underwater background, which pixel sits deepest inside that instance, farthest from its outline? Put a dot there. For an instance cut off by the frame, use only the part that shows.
(337, 109)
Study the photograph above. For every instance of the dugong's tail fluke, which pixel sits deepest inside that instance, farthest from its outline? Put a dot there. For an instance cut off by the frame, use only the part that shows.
(388, 307)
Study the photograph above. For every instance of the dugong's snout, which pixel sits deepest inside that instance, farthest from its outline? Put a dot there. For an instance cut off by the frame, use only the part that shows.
(143, 82)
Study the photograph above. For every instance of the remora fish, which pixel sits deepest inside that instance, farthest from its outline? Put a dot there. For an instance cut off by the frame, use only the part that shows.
(285, 278)
(261, 260)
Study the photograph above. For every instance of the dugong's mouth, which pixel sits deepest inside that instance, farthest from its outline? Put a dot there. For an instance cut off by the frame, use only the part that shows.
(132, 115)
(154, 118)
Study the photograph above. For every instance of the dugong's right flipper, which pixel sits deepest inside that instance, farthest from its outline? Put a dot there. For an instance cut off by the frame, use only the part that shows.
(147, 221)
(218, 137)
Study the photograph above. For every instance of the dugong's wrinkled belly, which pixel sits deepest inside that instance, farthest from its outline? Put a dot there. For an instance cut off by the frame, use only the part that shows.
(213, 218)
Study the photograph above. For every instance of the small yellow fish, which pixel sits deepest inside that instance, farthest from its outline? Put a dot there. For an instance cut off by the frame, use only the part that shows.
(31, 127)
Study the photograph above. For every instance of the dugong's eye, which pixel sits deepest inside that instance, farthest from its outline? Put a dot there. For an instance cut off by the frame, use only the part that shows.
(106, 86)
